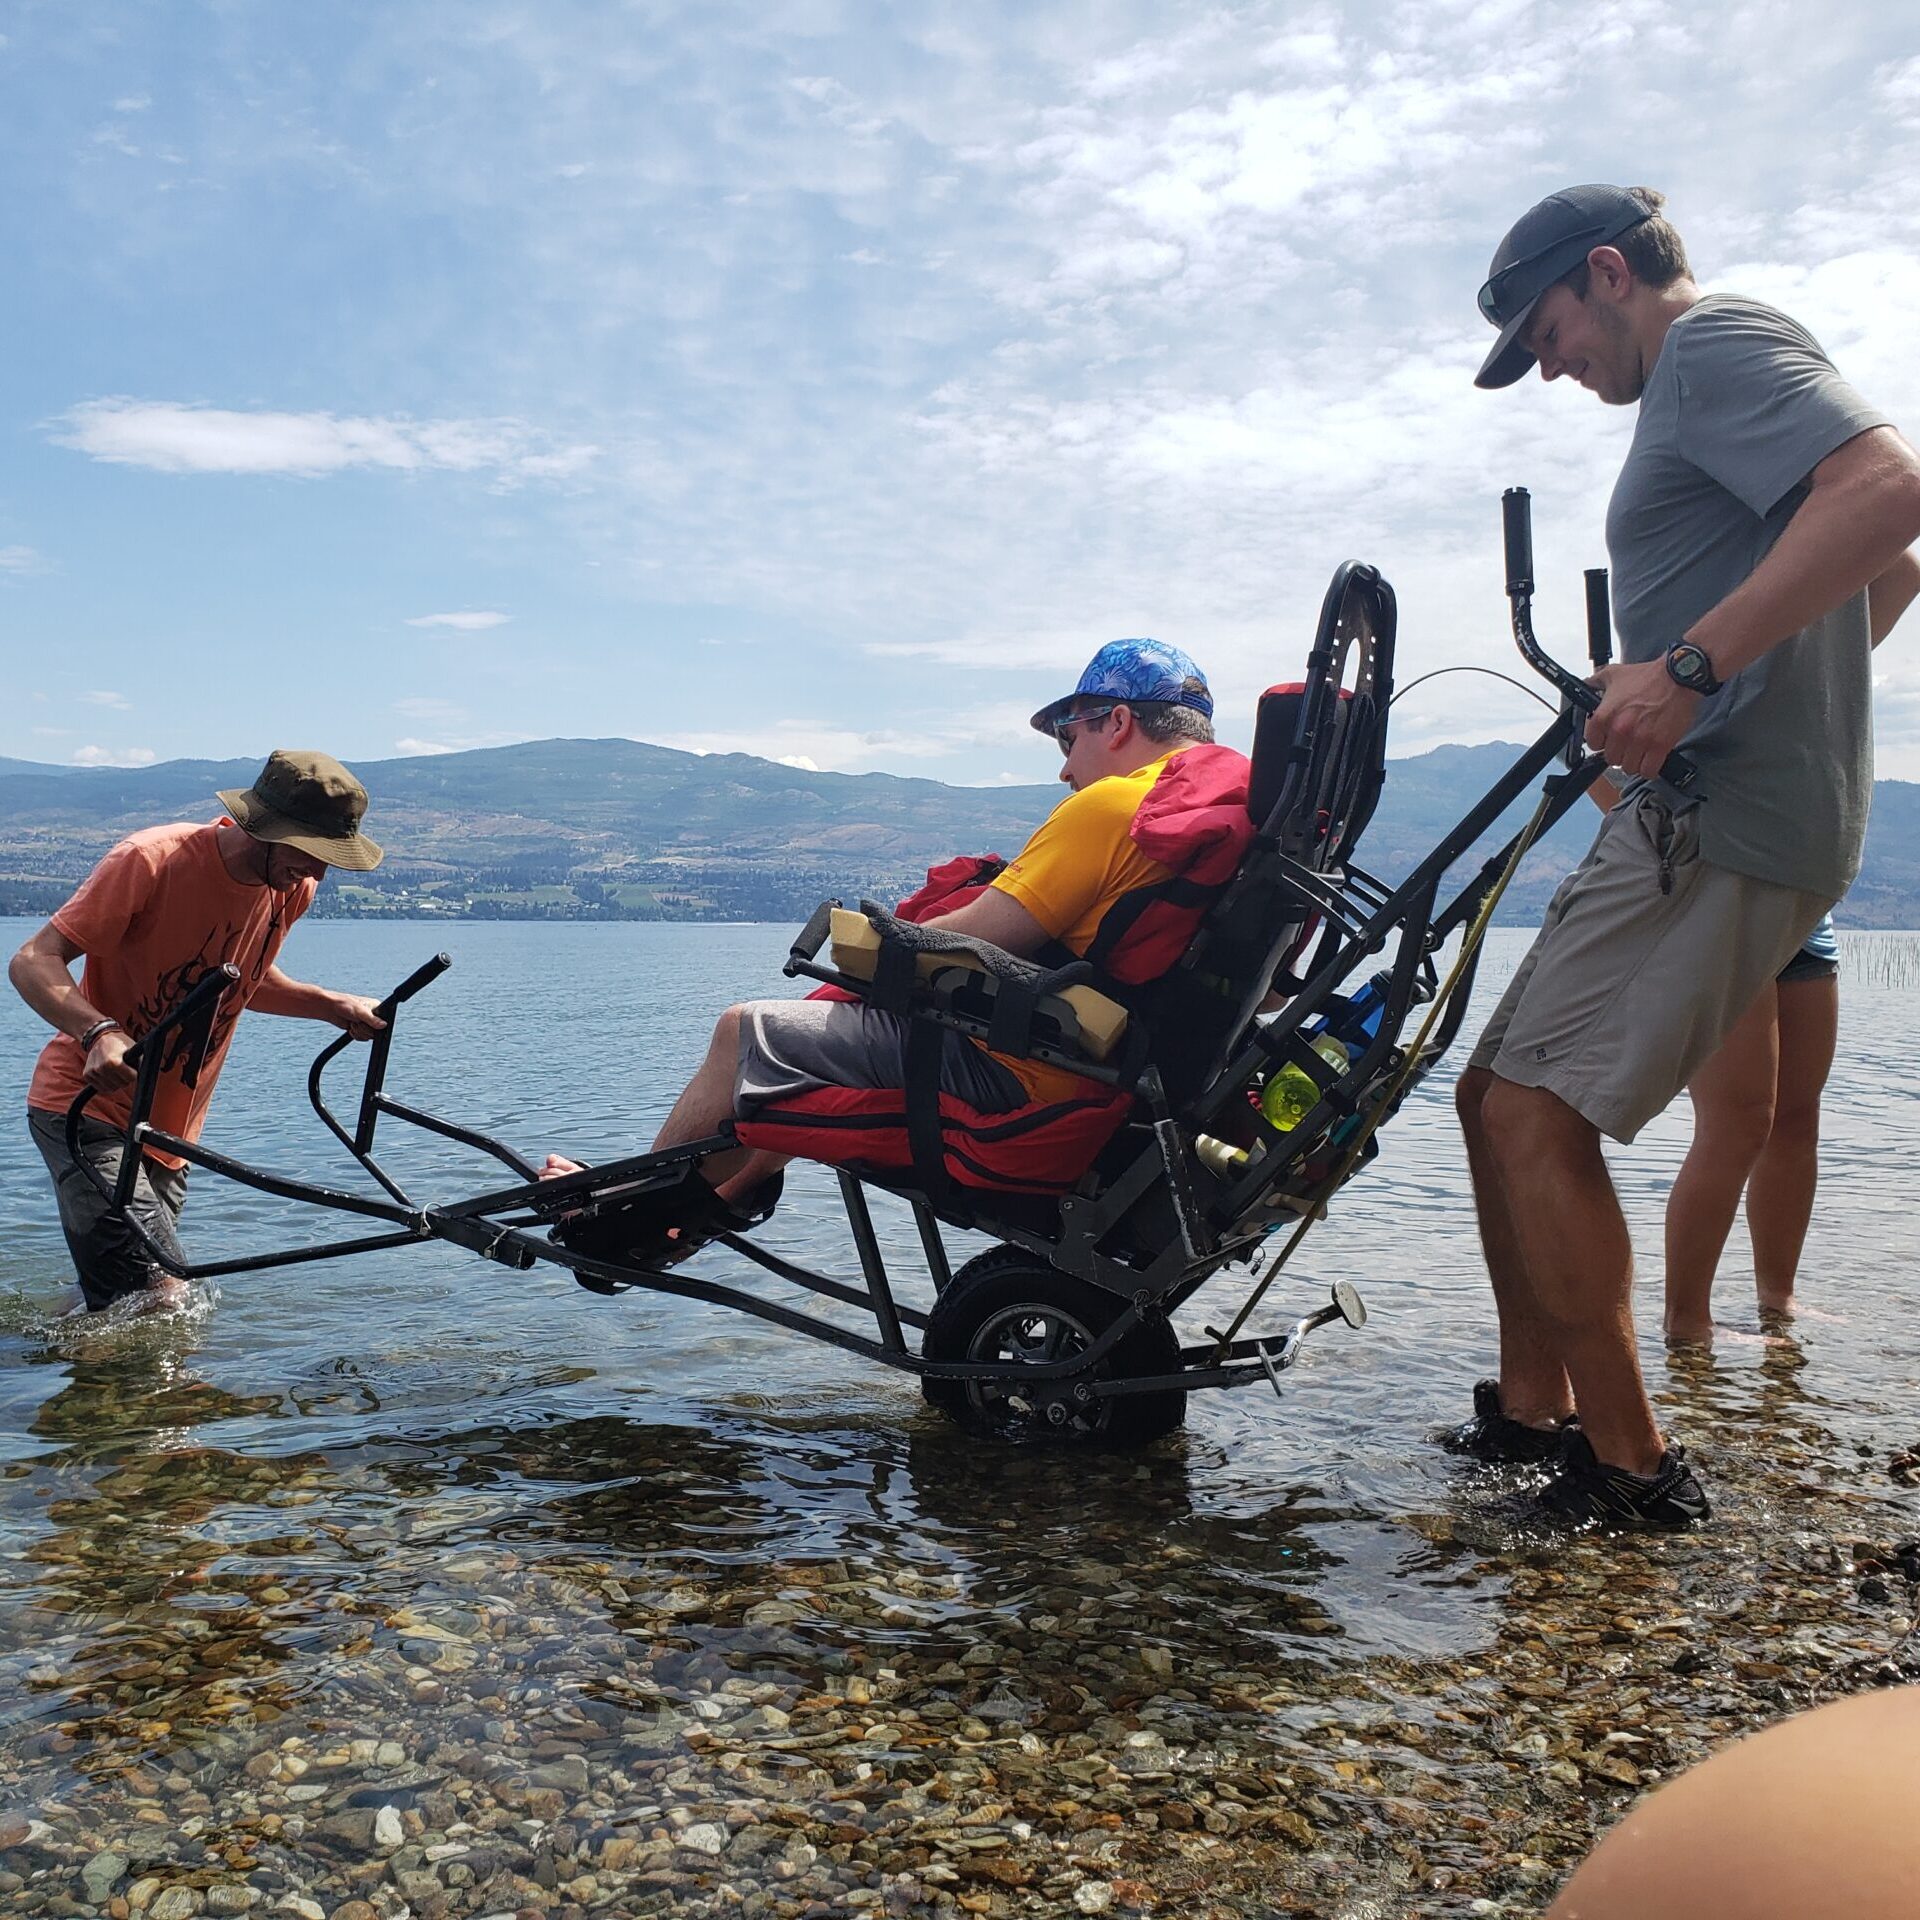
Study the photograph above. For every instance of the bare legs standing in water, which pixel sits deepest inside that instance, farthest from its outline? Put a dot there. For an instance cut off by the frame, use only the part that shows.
(1756, 1125)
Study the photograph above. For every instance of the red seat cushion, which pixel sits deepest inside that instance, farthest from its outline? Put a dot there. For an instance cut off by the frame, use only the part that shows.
(1043, 1147)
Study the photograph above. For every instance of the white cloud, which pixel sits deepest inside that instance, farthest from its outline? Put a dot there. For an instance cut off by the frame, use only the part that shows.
(842, 107)
(447, 727)
(114, 756)
(1175, 313)
(19, 560)
(172, 437)
(813, 745)
(793, 741)
(101, 698)
(461, 622)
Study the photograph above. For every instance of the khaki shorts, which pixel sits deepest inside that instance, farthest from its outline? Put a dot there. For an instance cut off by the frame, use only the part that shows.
(1629, 989)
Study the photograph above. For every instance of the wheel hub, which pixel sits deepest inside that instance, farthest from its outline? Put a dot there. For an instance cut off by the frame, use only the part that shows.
(1035, 1334)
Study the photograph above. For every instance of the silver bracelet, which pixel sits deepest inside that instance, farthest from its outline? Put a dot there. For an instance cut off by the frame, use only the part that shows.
(93, 1033)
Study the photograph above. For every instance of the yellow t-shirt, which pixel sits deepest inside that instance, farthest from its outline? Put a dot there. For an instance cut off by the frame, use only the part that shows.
(1080, 860)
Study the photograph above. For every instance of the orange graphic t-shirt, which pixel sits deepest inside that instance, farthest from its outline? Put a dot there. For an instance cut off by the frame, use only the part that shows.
(155, 916)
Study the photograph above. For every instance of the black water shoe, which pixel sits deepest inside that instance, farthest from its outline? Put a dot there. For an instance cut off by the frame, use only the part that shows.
(1589, 1494)
(1491, 1436)
(661, 1225)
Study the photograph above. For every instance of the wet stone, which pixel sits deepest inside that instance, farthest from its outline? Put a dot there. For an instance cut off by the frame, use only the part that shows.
(100, 1874)
(568, 1775)
(353, 1829)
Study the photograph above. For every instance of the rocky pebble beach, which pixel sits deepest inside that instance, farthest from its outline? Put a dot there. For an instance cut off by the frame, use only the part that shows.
(374, 1690)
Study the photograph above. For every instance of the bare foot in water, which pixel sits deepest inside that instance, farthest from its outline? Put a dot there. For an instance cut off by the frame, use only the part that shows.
(1683, 1332)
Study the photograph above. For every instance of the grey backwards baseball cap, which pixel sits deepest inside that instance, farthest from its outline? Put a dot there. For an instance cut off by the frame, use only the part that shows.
(1545, 245)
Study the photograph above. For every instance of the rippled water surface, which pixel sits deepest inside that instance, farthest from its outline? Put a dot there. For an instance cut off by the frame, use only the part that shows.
(411, 1582)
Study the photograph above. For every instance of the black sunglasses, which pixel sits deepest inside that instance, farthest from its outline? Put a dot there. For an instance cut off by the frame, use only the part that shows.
(1059, 727)
(1493, 294)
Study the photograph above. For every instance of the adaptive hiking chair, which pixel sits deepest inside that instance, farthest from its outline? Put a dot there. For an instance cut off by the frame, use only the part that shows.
(1111, 1210)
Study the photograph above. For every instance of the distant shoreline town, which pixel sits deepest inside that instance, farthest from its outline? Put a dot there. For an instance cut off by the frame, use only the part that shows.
(574, 831)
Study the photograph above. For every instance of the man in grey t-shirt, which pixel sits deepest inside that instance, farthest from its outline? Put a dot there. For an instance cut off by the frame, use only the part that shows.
(1760, 498)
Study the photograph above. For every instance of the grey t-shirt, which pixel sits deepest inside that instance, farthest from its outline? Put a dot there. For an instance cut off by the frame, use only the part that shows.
(1739, 409)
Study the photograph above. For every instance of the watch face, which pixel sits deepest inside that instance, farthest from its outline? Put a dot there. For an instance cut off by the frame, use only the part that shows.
(1688, 665)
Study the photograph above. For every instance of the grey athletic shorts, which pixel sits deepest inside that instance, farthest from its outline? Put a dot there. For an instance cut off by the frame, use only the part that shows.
(1628, 989)
(799, 1046)
(106, 1256)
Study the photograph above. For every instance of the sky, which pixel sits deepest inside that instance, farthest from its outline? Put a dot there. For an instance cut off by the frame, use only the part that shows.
(827, 381)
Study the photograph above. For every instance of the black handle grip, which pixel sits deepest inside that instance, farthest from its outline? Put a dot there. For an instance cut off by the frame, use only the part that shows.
(422, 976)
(813, 935)
(1599, 618)
(1677, 770)
(210, 986)
(1516, 515)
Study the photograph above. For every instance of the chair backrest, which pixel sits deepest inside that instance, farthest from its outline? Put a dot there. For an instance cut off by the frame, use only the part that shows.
(1330, 729)
(1319, 762)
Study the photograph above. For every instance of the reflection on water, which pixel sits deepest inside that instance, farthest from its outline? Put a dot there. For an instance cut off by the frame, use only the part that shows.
(415, 1581)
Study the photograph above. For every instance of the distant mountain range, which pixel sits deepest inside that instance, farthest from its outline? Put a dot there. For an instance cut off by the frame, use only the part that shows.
(616, 829)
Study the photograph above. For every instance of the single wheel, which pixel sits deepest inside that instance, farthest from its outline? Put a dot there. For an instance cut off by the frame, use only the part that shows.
(1009, 1307)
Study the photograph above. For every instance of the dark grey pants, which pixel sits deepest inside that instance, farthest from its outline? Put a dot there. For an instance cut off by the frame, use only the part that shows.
(111, 1263)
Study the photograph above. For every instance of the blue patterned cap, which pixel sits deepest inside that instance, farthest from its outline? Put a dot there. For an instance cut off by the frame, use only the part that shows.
(1133, 670)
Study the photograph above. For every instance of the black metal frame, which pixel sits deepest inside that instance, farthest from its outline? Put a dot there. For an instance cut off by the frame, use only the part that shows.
(1218, 1220)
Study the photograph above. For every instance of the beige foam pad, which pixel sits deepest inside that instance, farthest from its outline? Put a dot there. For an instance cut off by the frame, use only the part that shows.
(856, 951)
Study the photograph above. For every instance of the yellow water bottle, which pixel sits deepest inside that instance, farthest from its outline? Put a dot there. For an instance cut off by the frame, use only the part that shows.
(1291, 1093)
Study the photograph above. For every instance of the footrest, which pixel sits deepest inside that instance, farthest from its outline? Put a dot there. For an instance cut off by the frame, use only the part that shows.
(659, 1221)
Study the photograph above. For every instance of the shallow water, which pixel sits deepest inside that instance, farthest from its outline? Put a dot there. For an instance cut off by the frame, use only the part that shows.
(660, 1606)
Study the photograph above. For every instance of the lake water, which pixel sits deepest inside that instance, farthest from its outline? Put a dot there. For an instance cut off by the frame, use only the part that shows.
(635, 1605)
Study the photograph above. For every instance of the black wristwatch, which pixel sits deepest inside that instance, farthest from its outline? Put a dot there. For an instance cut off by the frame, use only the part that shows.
(1689, 667)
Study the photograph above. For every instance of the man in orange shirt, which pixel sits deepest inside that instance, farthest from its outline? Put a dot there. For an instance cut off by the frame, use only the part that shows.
(1139, 703)
(162, 910)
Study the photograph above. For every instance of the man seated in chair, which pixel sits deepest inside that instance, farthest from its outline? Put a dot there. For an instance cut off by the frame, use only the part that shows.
(1139, 708)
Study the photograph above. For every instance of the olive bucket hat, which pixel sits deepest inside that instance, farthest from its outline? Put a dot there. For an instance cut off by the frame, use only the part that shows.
(310, 802)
